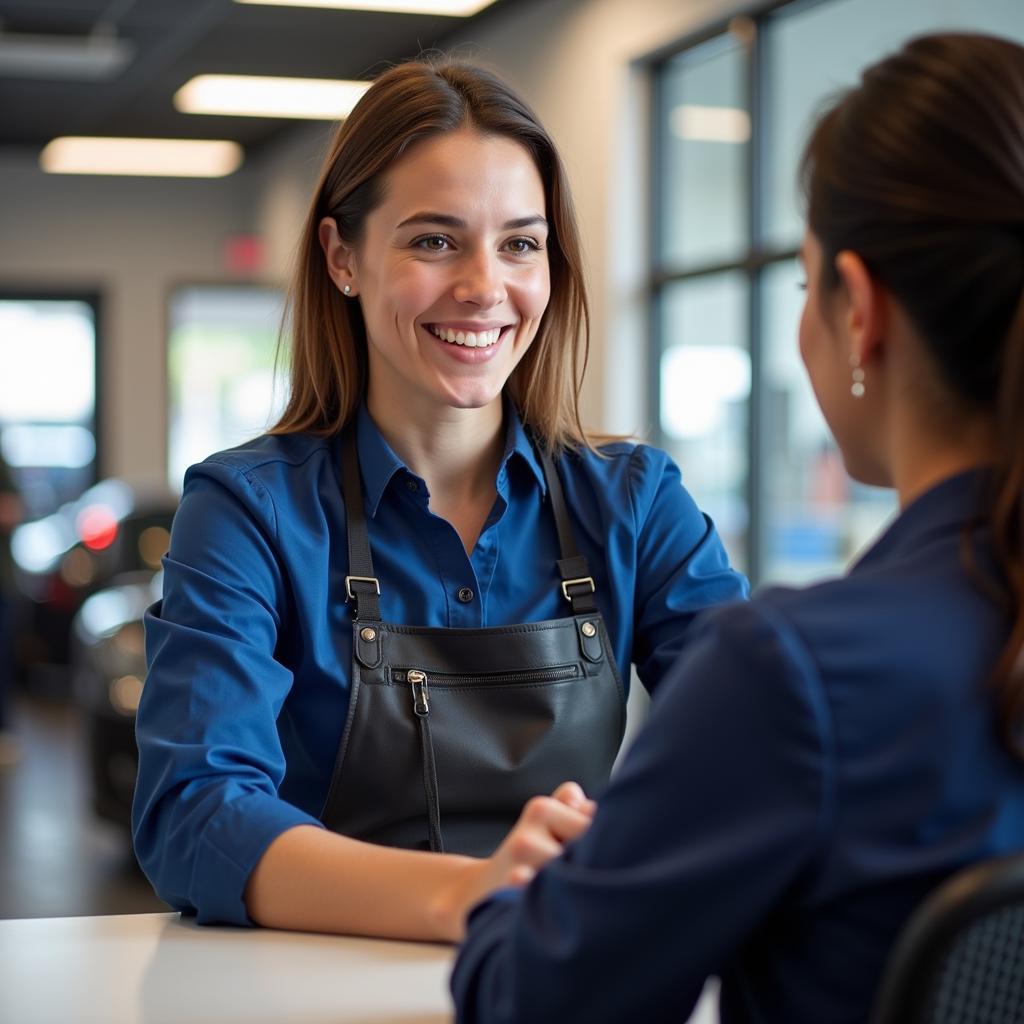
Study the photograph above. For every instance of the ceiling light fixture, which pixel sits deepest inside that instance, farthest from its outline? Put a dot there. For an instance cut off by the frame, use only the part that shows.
(165, 158)
(95, 57)
(319, 99)
(710, 124)
(452, 8)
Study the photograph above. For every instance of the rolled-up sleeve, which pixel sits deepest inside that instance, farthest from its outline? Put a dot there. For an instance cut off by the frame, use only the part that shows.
(718, 806)
(210, 760)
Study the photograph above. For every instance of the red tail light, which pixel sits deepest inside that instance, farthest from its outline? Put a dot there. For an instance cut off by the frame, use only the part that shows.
(97, 527)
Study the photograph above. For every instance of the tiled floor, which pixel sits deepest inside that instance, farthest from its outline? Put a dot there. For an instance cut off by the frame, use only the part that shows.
(56, 858)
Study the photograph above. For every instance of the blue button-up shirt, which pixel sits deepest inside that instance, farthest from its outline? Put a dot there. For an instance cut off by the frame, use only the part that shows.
(250, 649)
(817, 762)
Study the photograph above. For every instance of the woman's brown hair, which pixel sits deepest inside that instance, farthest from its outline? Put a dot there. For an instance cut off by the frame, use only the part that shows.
(920, 171)
(405, 105)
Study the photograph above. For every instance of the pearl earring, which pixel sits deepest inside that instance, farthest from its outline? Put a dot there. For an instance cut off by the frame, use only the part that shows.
(857, 387)
(347, 290)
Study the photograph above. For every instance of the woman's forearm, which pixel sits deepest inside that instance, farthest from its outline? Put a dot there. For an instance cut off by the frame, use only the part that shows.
(310, 879)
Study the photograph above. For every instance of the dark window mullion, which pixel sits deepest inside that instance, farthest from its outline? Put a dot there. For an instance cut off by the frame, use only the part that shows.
(655, 215)
(755, 423)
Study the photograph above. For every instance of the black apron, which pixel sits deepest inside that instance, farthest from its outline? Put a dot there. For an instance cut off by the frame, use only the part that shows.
(450, 731)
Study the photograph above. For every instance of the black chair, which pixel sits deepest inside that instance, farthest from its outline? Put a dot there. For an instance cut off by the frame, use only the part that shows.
(960, 957)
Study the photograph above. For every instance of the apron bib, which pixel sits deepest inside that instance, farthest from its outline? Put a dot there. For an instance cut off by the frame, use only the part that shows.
(451, 731)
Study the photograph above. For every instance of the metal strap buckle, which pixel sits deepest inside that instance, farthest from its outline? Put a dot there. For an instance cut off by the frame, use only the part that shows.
(349, 580)
(572, 583)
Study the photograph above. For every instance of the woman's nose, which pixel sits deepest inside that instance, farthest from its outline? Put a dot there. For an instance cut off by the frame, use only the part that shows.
(482, 282)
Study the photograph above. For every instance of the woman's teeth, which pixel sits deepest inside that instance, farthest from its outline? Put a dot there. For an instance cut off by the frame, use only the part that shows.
(471, 339)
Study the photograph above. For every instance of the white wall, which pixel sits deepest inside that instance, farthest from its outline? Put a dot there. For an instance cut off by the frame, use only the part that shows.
(288, 177)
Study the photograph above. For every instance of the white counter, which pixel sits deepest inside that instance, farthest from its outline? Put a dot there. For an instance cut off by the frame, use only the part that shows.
(158, 969)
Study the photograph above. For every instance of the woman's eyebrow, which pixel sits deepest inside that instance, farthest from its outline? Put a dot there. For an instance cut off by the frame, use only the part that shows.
(525, 222)
(449, 221)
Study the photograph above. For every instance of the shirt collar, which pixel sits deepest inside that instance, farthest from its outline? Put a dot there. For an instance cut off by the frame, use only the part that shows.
(379, 463)
(518, 444)
(949, 505)
(376, 459)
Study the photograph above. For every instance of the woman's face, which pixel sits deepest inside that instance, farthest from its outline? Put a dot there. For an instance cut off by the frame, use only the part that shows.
(452, 272)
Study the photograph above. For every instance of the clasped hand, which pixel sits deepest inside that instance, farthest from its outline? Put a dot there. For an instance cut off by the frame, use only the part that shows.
(545, 825)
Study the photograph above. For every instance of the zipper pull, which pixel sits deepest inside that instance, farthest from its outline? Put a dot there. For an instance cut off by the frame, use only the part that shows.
(418, 681)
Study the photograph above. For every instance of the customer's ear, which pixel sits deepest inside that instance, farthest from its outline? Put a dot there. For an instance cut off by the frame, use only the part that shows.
(866, 313)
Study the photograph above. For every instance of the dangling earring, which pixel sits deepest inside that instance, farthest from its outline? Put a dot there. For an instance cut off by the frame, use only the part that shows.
(347, 290)
(857, 387)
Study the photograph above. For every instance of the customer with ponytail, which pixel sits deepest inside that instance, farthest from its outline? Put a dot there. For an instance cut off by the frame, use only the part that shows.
(821, 758)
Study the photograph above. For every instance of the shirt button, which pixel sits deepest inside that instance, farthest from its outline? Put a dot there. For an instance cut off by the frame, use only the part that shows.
(465, 595)
(411, 485)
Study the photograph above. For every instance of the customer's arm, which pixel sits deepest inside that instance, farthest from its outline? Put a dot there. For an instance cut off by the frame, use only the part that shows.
(720, 803)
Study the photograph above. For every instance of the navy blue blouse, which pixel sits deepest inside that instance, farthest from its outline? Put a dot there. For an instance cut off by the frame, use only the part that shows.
(250, 649)
(817, 761)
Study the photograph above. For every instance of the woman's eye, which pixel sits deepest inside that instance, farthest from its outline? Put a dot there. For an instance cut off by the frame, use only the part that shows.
(522, 245)
(433, 243)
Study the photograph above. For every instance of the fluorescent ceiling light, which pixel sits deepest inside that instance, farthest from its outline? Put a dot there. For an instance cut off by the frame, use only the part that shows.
(319, 99)
(76, 58)
(454, 8)
(710, 124)
(165, 158)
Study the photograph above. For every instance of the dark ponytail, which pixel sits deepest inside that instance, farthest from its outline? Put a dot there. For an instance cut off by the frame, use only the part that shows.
(920, 170)
(1007, 523)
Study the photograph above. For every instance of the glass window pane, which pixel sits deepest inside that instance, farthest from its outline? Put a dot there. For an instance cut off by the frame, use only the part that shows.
(812, 52)
(705, 128)
(705, 391)
(47, 418)
(814, 518)
(220, 369)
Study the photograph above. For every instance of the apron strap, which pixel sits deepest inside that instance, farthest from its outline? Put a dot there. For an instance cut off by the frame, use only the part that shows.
(361, 585)
(577, 583)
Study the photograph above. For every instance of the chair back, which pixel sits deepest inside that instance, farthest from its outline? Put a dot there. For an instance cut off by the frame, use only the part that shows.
(960, 957)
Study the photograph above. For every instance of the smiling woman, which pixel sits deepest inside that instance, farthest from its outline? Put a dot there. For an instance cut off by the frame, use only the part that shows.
(392, 622)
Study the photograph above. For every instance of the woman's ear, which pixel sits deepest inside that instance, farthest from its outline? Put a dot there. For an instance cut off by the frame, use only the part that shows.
(338, 256)
(867, 308)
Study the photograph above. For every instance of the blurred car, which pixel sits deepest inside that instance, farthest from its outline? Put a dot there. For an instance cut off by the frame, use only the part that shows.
(112, 529)
(109, 669)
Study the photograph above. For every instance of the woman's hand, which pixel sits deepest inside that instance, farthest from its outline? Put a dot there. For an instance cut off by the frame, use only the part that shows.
(546, 824)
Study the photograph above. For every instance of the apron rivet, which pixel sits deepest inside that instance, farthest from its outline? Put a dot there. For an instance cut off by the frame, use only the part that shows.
(588, 629)
(368, 634)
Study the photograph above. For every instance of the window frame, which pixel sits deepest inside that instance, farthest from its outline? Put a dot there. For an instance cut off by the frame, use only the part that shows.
(749, 29)
(94, 299)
